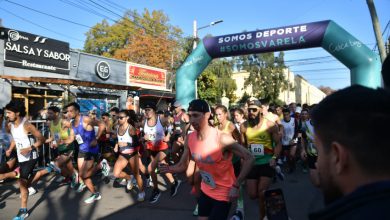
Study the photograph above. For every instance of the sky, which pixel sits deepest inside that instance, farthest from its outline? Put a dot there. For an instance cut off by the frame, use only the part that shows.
(316, 65)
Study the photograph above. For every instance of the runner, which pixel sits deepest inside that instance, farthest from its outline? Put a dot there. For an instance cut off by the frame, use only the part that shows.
(239, 118)
(61, 139)
(7, 158)
(128, 153)
(212, 151)
(156, 144)
(289, 139)
(26, 148)
(260, 135)
(227, 127)
(309, 150)
(181, 121)
(88, 149)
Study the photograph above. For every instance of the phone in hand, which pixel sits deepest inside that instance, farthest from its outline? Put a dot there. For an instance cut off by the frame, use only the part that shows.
(275, 205)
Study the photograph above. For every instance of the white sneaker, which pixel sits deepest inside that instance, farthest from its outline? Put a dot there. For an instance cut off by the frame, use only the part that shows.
(129, 185)
(105, 167)
(149, 182)
(93, 198)
(31, 191)
(141, 196)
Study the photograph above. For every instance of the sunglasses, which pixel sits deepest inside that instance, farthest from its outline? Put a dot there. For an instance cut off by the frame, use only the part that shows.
(252, 109)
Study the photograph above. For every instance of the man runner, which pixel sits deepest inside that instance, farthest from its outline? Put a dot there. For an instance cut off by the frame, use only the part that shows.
(260, 135)
(88, 149)
(212, 151)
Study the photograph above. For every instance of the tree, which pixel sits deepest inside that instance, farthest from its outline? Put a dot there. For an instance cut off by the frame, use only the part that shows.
(265, 74)
(216, 80)
(147, 39)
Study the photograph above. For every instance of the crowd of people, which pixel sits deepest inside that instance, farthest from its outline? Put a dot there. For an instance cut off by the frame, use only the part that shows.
(217, 148)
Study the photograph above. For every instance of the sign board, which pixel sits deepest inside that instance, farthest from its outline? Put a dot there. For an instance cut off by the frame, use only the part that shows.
(145, 76)
(28, 51)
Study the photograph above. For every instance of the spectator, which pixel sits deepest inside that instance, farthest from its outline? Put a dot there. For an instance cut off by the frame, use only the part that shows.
(352, 142)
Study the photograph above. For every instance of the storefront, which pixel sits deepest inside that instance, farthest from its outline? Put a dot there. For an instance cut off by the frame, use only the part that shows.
(40, 72)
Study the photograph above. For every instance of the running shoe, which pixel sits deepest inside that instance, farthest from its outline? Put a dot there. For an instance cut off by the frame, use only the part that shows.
(105, 167)
(149, 182)
(279, 173)
(195, 212)
(94, 197)
(31, 191)
(175, 187)
(17, 172)
(141, 196)
(81, 187)
(22, 214)
(75, 178)
(54, 168)
(237, 216)
(155, 196)
(129, 185)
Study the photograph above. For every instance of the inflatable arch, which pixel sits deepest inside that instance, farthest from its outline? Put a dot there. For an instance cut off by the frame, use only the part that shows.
(363, 63)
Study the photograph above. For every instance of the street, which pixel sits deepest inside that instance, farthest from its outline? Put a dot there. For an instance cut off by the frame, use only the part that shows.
(58, 201)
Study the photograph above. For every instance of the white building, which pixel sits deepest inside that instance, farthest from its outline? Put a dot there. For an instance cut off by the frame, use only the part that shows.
(302, 91)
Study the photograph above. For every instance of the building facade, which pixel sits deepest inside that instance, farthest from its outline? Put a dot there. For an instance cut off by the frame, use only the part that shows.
(41, 72)
(301, 91)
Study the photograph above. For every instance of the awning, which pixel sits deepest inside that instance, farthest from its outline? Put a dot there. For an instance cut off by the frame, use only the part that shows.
(156, 94)
(74, 82)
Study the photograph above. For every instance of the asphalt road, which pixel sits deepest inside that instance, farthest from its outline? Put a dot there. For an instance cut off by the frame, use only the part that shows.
(58, 201)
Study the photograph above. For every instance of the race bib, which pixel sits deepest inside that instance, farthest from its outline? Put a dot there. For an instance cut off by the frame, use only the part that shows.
(56, 137)
(79, 139)
(34, 155)
(208, 179)
(257, 149)
(152, 137)
(21, 145)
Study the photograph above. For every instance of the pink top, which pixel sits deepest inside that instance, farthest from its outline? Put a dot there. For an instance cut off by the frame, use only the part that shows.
(216, 170)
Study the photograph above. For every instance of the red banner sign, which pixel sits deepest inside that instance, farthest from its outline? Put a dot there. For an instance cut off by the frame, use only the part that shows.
(146, 77)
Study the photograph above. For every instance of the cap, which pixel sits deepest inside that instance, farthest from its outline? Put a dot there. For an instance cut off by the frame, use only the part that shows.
(150, 105)
(199, 105)
(298, 110)
(92, 112)
(255, 102)
(177, 104)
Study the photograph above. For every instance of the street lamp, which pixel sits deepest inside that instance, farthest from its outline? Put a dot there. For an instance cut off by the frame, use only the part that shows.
(195, 29)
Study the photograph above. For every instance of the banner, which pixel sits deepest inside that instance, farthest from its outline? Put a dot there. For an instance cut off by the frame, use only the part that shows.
(28, 51)
(267, 40)
(146, 77)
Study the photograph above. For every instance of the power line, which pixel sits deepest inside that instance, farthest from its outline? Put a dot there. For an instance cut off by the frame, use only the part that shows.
(44, 13)
(40, 25)
(87, 9)
(320, 70)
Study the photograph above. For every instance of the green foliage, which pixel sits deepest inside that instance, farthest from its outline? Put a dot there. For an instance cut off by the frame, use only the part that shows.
(266, 74)
(146, 38)
(216, 80)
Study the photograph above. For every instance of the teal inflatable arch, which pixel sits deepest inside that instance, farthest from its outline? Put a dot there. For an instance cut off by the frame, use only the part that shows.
(363, 63)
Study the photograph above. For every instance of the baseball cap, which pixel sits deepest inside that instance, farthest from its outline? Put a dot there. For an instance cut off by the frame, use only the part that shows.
(298, 110)
(177, 104)
(150, 105)
(255, 102)
(199, 105)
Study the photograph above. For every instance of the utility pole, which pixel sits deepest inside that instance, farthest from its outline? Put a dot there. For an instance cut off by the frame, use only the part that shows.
(195, 36)
(377, 29)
